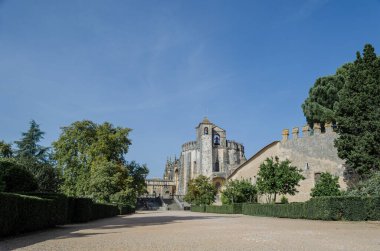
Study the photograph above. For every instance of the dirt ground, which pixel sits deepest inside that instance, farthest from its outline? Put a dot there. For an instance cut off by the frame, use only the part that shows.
(178, 230)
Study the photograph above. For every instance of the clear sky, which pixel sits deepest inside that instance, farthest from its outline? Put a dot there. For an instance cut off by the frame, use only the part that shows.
(159, 67)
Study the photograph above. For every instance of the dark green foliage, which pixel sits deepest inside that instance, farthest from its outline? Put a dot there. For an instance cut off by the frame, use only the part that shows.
(239, 191)
(358, 114)
(321, 208)
(33, 211)
(200, 191)
(82, 211)
(28, 147)
(319, 105)
(225, 209)
(15, 178)
(327, 185)
(278, 177)
(61, 203)
(284, 200)
(99, 211)
(20, 213)
(195, 208)
(5, 150)
(126, 209)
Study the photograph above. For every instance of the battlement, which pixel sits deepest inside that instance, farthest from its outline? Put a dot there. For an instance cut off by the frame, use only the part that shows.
(191, 145)
(231, 144)
(308, 132)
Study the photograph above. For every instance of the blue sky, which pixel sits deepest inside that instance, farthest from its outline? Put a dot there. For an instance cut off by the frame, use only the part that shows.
(159, 67)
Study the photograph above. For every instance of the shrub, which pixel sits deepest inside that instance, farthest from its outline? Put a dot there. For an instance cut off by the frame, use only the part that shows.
(327, 185)
(284, 200)
(14, 178)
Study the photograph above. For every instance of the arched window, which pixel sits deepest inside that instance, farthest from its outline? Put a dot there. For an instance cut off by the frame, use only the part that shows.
(216, 139)
(206, 131)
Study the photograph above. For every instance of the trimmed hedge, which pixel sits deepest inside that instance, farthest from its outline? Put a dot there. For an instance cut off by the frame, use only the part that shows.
(33, 211)
(200, 209)
(21, 213)
(126, 209)
(321, 208)
(225, 209)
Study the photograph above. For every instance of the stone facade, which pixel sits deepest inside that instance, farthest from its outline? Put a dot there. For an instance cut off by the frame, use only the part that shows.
(211, 155)
(313, 153)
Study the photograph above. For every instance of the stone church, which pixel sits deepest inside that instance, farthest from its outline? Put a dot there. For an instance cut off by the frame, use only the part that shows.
(211, 155)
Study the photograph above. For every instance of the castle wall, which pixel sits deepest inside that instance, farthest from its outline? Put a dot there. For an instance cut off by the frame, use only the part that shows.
(312, 154)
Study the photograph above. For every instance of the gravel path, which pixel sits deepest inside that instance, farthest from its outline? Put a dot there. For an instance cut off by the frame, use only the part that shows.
(178, 230)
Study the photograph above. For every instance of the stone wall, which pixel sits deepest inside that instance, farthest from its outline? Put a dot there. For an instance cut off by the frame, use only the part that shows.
(312, 154)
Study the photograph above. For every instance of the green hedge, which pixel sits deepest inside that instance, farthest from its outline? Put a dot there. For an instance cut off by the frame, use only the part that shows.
(126, 209)
(200, 209)
(21, 213)
(225, 209)
(33, 211)
(321, 208)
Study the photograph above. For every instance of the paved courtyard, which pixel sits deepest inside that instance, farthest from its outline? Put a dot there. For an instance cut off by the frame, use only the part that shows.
(178, 230)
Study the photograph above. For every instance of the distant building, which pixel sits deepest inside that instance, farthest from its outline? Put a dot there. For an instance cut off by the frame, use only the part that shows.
(211, 155)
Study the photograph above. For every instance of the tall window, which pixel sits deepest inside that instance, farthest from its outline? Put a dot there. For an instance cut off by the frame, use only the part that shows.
(216, 139)
(205, 131)
(216, 166)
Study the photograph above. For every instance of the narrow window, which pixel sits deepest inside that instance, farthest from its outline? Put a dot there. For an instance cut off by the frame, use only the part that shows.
(206, 130)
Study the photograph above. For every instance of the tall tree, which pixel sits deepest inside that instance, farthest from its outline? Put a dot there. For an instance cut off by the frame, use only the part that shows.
(28, 147)
(358, 114)
(200, 191)
(319, 105)
(91, 157)
(275, 177)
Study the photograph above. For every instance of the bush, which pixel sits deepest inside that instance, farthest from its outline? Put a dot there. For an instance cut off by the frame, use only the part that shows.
(15, 178)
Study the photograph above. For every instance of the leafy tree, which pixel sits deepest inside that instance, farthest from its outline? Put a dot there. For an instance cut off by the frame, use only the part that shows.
(239, 191)
(28, 147)
(91, 157)
(107, 178)
(81, 146)
(200, 191)
(5, 150)
(358, 114)
(369, 187)
(275, 177)
(327, 185)
(14, 178)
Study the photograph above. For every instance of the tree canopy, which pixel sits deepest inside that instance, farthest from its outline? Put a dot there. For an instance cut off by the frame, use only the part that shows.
(239, 191)
(358, 114)
(277, 177)
(200, 191)
(5, 150)
(327, 185)
(91, 159)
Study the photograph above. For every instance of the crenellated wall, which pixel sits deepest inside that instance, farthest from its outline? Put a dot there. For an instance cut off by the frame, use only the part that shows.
(313, 152)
